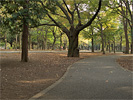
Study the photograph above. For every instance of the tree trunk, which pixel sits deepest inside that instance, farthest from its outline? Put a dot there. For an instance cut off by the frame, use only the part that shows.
(53, 45)
(61, 41)
(121, 44)
(37, 43)
(132, 38)
(29, 41)
(109, 46)
(20, 41)
(24, 57)
(11, 44)
(102, 36)
(45, 42)
(126, 36)
(73, 50)
(32, 45)
(114, 45)
(132, 29)
(92, 41)
(16, 41)
(5, 41)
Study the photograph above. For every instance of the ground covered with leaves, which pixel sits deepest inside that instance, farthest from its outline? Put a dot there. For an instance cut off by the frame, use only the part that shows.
(21, 80)
(126, 62)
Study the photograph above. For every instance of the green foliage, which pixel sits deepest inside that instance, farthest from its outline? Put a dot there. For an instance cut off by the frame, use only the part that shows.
(34, 12)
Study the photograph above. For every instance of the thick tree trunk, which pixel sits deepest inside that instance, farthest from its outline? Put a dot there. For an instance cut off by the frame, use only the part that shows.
(24, 57)
(126, 36)
(73, 50)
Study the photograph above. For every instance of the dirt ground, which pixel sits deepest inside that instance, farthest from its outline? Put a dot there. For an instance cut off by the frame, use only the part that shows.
(21, 80)
(126, 62)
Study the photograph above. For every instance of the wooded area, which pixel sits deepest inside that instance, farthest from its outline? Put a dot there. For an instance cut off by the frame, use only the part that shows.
(72, 25)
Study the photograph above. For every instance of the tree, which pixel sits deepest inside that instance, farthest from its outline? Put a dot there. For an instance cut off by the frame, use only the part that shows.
(22, 13)
(128, 11)
(125, 9)
(71, 10)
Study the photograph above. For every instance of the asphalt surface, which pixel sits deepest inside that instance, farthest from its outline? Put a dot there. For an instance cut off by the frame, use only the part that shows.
(91, 79)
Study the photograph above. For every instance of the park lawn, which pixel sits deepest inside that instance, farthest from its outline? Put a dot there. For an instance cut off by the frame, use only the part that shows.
(20, 80)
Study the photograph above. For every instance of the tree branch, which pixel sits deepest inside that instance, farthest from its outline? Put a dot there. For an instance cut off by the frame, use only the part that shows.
(64, 29)
(91, 20)
(65, 12)
(67, 7)
(79, 18)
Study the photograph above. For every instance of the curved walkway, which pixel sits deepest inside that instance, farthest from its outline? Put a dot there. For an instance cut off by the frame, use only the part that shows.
(92, 78)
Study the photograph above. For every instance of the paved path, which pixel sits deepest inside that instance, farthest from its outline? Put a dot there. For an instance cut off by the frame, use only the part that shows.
(92, 78)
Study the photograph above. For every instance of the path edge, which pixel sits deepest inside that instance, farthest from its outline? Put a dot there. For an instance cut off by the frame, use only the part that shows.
(124, 69)
(43, 92)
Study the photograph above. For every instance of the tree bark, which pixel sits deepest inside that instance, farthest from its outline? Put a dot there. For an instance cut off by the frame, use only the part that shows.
(5, 41)
(61, 41)
(29, 41)
(109, 46)
(92, 41)
(121, 44)
(24, 57)
(45, 40)
(132, 28)
(132, 39)
(16, 41)
(20, 41)
(102, 36)
(53, 45)
(114, 45)
(126, 36)
(73, 50)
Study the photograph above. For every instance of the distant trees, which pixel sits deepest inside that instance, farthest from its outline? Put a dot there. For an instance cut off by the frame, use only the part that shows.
(125, 9)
